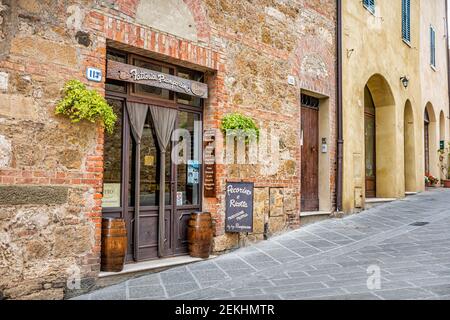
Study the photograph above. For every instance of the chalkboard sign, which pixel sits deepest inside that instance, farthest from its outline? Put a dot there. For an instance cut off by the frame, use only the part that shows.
(239, 207)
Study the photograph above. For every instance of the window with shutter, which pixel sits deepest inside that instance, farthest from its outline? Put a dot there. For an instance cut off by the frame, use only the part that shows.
(406, 20)
(432, 47)
(369, 5)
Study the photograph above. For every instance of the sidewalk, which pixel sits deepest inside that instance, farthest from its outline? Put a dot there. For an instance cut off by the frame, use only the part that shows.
(327, 260)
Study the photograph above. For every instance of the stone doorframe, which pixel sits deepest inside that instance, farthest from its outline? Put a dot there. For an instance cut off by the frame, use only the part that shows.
(325, 159)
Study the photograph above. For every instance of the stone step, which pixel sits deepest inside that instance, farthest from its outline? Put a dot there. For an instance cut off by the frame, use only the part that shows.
(313, 217)
(133, 270)
(409, 194)
(375, 202)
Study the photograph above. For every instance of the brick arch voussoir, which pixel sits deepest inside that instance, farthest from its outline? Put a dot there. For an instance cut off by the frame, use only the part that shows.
(201, 19)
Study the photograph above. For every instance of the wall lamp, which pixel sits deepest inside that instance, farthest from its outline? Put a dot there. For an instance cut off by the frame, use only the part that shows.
(405, 81)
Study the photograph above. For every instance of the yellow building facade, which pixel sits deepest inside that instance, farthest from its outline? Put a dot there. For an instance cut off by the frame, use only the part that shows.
(387, 84)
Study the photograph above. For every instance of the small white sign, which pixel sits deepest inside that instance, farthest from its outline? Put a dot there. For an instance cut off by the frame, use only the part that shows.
(291, 80)
(94, 74)
(4, 80)
(180, 200)
(111, 195)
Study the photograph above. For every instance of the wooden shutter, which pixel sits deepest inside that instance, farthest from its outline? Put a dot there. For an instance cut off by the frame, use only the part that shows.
(433, 46)
(406, 20)
(370, 5)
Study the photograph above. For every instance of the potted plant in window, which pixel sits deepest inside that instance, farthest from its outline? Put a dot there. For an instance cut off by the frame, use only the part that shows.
(444, 165)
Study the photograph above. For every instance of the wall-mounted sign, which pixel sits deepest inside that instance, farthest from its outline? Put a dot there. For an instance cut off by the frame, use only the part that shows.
(442, 145)
(129, 73)
(111, 195)
(292, 81)
(239, 207)
(209, 165)
(94, 74)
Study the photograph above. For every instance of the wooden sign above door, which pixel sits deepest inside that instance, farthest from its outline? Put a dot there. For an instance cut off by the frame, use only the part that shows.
(129, 73)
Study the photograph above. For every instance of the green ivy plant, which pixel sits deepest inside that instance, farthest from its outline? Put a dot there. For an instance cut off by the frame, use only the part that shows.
(80, 103)
(237, 121)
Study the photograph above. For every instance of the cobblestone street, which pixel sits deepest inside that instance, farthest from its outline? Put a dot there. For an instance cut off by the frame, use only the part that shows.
(327, 260)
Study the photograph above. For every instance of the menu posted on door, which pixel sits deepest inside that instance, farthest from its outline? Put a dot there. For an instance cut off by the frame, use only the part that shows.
(239, 207)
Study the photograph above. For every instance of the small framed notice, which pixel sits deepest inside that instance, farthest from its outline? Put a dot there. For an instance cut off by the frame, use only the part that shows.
(239, 207)
(180, 199)
(111, 195)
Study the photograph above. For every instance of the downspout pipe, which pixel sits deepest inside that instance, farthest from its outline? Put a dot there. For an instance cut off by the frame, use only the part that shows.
(447, 51)
(339, 115)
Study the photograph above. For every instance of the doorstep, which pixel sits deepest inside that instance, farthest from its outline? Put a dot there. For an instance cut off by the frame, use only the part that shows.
(408, 194)
(307, 218)
(379, 200)
(375, 202)
(134, 270)
(315, 213)
(153, 265)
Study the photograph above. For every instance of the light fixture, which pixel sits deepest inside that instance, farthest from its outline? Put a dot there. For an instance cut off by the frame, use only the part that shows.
(405, 81)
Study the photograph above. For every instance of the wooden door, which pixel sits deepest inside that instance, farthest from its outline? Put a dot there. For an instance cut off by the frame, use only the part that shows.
(183, 187)
(370, 154)
(427, 147)
(187, 173)
(310, 159)
(148, 179)
(181, 179)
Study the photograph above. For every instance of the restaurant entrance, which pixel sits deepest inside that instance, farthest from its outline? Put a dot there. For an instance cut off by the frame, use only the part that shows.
(158, 130)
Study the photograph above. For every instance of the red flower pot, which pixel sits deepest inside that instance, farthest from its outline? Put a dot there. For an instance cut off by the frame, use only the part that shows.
(446, 183)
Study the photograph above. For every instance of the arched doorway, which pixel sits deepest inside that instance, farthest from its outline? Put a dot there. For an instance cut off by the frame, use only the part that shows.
(380, 139)
(442, 126)
(430, 141)
(443, 159)
(409, 149)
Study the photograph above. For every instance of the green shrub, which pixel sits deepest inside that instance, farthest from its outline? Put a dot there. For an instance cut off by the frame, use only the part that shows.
(237, 121)
(80, 103)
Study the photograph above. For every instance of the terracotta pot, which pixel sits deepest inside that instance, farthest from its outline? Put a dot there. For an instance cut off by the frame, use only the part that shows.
(446, 183)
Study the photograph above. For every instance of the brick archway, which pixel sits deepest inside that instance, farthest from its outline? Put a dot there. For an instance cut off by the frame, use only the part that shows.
(201, 19)
(129, 7)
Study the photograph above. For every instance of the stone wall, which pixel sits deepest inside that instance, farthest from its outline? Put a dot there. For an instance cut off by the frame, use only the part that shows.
(398, 109)
(434, 82)
(247, 49)
(51, 170)
(263, 43)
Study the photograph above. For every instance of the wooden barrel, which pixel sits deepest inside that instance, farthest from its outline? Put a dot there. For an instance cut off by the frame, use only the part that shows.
(200, 235)
(114, 244)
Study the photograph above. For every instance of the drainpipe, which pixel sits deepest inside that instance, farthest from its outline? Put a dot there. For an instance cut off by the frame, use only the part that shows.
(447, 51)
(340, 132)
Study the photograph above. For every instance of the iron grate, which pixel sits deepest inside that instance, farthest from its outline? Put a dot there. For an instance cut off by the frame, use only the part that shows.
(419, 224)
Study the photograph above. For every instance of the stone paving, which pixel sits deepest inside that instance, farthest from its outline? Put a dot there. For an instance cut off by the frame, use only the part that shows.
(327, 260)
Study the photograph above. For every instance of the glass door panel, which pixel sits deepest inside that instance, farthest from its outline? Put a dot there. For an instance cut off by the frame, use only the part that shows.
(370, 146)
(150, 166)
(189, 169)
(112, 181)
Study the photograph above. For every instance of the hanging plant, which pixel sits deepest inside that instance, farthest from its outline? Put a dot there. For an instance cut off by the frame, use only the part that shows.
(80, 103)
(240, 122)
